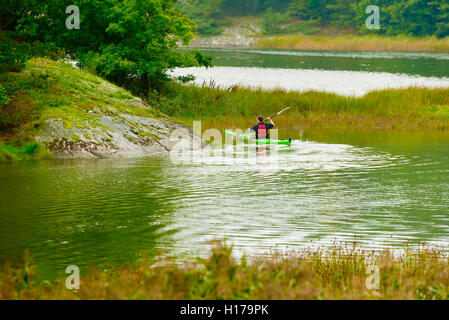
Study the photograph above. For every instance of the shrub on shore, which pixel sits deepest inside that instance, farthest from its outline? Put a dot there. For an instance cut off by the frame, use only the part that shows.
(30, 151)
(355, 43)
(335, 273)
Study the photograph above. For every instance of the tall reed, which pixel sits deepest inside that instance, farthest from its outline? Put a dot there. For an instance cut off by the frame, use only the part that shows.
(340, 272)
(412, 108)
(355, 43)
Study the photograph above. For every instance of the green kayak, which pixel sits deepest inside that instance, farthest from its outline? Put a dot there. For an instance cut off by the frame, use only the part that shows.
(250, 137)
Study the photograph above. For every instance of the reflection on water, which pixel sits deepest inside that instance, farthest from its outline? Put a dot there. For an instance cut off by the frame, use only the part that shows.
(342, 54)
(109, 211)
(350, 83)
(411, 63)
(80, 211)
(346, 73)
(320, 192)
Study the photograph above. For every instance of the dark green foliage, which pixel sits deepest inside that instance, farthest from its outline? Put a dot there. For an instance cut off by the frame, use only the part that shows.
(12, 55)
(14, 52)
(298, 9)
(317, 10)
(31, 151)
(272, 22)
(125, 41)
(207, 14)
(410, 17)
(186, 79)
(442, 21)
(414, 17)
(4, 99)
(342, 13)
(251, 7)
(304, 27)
(12, 58)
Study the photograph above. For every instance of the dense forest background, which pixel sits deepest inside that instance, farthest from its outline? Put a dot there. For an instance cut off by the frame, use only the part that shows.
(409, 17)
(133, 42)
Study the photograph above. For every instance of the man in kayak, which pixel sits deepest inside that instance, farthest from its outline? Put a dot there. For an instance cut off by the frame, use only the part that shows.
(262, 128)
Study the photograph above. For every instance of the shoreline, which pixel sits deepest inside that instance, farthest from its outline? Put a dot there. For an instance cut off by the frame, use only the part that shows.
(372, 43)
(403, 109)
(339, 272)
(356, 43)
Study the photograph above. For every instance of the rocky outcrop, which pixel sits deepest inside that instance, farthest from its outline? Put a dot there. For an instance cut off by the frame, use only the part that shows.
(223, 42)
(118, 136)
(80, 115)
(242, 33)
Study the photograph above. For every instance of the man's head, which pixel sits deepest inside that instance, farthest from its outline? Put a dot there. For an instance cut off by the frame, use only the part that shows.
(260, 118)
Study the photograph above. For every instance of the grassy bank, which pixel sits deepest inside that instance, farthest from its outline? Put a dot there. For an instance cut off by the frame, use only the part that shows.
(355, 43)
(338, 273)
(48, 89)
(412, 108)
(30, 151)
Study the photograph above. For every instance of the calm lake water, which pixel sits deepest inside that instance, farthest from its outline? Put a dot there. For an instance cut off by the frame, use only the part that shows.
(378, 188)
(346, 73)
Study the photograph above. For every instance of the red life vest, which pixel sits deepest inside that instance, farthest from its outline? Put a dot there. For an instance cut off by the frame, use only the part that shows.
(262, 132)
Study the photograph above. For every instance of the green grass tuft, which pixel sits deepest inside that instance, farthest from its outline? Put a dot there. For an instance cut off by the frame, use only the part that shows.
(30, 151)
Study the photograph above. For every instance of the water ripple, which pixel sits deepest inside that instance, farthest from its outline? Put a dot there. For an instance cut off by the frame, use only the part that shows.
(349, 83)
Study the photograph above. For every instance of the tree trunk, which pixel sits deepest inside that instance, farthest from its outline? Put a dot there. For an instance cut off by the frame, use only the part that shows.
(147, 81)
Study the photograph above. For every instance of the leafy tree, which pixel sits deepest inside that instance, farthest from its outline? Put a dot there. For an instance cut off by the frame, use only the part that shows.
(442, 19)
(317, 10)
(207, 14)
(277, 5)
(341, 13)
(299, 9)
(272, 22)
(13, 52)
(11, 59)
(412, 17)
(126, 41)
(252, 7)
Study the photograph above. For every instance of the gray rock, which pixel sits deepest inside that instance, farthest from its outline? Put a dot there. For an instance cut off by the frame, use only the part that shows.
(223, 42)
(120, 136)
(242, 33)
